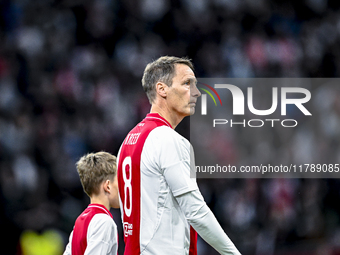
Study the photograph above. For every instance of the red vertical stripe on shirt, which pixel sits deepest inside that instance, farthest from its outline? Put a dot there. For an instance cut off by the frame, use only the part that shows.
(129, 180)
(193, 241)
(79, 239)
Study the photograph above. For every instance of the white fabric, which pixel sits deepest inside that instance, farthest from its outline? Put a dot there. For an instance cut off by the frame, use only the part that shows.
(101, 237)
(204, 222)
(170, 199)
(165, 172)
(68, 250)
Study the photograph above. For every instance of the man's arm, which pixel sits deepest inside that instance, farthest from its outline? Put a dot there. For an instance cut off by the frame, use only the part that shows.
(204, 222)
(176, 168)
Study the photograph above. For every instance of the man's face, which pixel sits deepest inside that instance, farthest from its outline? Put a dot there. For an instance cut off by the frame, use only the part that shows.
(183, 93)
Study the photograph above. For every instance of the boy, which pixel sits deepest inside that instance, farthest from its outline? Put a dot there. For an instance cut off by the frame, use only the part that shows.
(94, 231)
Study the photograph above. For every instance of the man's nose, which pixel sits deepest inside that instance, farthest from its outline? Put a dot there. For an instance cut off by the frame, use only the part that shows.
(195, 92)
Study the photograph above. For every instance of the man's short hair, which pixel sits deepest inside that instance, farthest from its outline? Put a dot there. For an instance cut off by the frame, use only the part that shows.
(94, 168)
(161, 70)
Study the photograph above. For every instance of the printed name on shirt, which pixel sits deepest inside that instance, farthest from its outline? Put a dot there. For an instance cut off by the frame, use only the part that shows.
(127, 229)
(131, 139)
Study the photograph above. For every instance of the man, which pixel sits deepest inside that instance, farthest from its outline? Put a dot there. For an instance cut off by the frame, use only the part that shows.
(161, 205)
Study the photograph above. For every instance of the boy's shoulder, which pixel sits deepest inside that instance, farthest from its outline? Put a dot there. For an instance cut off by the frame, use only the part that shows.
(101, 220)
(93, 219)
(92, 211)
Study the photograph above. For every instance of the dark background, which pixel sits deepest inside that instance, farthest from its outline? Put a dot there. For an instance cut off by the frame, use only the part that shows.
(70, 76)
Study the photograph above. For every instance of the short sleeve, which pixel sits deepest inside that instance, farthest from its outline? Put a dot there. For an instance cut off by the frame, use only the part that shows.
(173, 159)
(102, 236)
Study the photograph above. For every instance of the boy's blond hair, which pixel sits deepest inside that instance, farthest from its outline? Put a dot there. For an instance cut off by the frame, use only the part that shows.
(94, 168)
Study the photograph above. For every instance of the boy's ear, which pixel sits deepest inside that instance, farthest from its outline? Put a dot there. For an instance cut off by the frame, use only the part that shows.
(107, 186)
(161, 89)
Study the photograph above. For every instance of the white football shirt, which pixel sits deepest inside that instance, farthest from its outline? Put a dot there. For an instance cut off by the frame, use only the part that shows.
(94, 233)
(158, 199)
(154, 168)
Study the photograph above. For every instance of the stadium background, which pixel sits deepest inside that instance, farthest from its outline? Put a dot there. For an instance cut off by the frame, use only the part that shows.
(70, 83)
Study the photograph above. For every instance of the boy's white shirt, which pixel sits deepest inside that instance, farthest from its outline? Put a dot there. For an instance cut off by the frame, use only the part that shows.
(101, 237)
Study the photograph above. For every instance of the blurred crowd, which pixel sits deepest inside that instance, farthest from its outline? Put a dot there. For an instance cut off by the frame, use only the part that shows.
(70, 74)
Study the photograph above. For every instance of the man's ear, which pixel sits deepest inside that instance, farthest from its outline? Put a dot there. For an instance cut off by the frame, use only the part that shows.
(107, 186)
(161, 89)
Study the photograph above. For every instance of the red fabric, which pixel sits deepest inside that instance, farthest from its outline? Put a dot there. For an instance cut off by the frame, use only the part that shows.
(193, 241)
(79, 238)
(129, 179)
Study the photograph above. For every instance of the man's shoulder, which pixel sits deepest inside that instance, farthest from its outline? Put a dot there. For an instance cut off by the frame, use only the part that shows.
(165, 139)
(165, 133)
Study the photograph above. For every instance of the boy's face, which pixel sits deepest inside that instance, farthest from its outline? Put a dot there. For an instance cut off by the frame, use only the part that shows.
(113, 198)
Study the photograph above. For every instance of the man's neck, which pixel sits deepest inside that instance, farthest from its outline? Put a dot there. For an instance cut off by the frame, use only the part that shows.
(173, 119)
